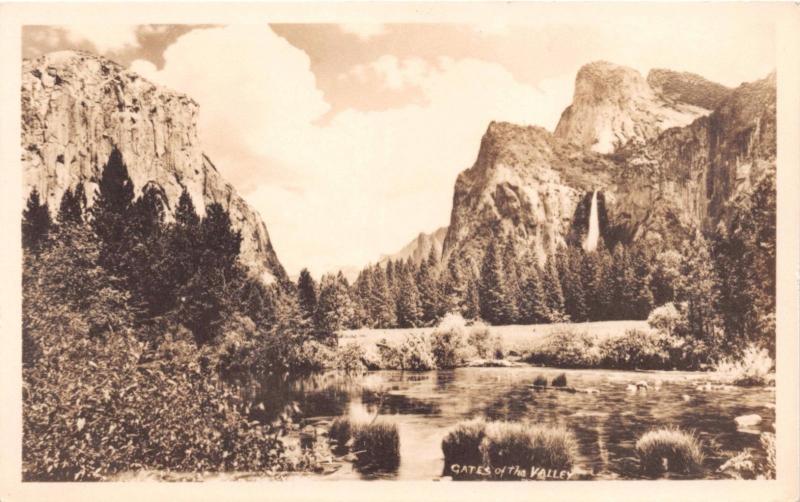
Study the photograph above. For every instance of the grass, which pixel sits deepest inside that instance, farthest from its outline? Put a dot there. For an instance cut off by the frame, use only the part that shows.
(669, 450)
(540, 381)
(462, 446)
(495, 445)
(514, 338)
(375, 445)
(528, 446)
(754, 368)
(560, 380)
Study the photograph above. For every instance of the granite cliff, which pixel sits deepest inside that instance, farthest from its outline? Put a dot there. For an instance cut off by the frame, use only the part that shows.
(76, 107)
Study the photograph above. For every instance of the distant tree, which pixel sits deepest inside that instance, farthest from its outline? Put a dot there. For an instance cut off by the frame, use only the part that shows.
(382, 304)
(70, 210)
(307, 293)
(570, 268)
(493, 293)
(699, 291)
(409, 312)
(362, 293)
(553, 292)
(642, 297)
(511, 272)
(36, 222)
(472, 302)
(335, 310)
(454, 286)
(430, 297)
(533, 307)
(666, 274)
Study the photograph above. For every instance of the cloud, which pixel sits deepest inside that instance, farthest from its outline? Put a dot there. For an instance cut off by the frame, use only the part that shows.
(105, 37)
(364, 31)
(365, 182)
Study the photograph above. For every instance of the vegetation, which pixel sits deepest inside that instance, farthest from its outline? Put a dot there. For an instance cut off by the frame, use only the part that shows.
(540, 381)
(376, 446)
(755, 367)
(462, 446)
(566, 349)
(560, 380)
(528, 446)
(669, 450)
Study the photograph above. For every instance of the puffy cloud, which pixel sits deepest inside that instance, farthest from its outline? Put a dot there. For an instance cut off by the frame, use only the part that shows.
(362, 183)
(105, 37)
(364, 31)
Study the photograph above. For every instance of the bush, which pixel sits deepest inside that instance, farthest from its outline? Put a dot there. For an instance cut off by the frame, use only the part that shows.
(462, 446)
(540, 381)
(635, 350)
(95, 407)
(665, 318)
(413, 354)
(560, 380)
(566, 349)
(479, 339)
(350, 358)
(744, 465)
(448, 342)
(753, 368)
(528, 446)
(669, 450)
(377, 446)
(340, 433)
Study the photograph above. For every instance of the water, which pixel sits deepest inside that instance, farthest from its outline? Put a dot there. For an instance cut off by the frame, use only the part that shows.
(590, 244)
(607, 423)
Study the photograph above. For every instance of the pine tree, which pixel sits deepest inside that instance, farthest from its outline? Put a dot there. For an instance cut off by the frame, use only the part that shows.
(454, 286)
(699, 291)
(111, 214)
(472, 303)
(382, 305)
(511, 273)
(409, 313)
(533, 307)
(640, 287)
(493, 292)
(36, 222)
(362, 292)
(553, 292)
(307, 293)
(430, 297)
(570, 264)
(335, 310)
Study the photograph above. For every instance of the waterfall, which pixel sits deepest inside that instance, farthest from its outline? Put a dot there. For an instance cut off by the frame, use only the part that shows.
(590, 244)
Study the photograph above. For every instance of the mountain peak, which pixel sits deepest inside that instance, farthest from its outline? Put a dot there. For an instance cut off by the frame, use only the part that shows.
(614, 104)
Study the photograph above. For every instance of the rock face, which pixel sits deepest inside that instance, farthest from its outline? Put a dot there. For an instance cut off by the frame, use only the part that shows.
(614, 104)
(76, 107)
(420, 248)
(536, 187)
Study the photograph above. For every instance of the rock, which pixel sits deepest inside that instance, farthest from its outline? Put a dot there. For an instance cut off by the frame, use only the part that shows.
(592, 390)
(613, 104)
(748, 420)
(641, 384)
(420, 248)
(686, 397)
(631, 388)
(76, 107)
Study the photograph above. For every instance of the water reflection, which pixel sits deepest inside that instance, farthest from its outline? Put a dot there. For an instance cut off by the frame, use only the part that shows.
(606, 423)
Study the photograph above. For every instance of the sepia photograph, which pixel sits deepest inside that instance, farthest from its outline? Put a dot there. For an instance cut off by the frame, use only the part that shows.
(533, 246)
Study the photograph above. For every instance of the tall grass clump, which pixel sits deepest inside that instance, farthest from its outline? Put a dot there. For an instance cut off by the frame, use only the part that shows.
(755, 367)
(461, 446)
(669, 450)
(529, 447)
(340, 433)
(377, 446)
(540, 381)
(560, 380)
(449, 342)
(566, 349)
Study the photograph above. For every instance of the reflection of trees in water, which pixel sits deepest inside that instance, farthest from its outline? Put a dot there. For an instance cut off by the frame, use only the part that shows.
(393, 404)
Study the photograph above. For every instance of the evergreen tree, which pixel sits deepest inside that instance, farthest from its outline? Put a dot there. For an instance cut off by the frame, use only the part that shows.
(362, 293)
(111, 213)
(382, 305)
(307, 293)
(335, 310)
(511, 272)
(494, 304)
(430, 297)
(570, 265)
(454, 287)
(533, 307)
(472, 302)
(67, 209)
(409, 312)
(699, 291)
(36, 222)
(642, 301)
(553, 292)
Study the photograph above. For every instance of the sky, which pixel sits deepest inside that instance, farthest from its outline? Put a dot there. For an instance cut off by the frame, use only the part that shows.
(347, 139)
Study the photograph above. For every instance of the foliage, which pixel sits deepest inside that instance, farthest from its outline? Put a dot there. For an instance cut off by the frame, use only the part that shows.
(669, 450)
(377, 446)
(413, 354)
(340, 433)
(448, 342)
(566, 349)
(350, 358)
(754, 367)
(462, 446)
(540, 381)
(664, 319)
(36, 222)
(560, 380)
(527, 445)
(635, 350)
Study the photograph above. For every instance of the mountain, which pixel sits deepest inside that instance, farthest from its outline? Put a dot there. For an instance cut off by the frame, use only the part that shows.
(420, 248)
(670, 167)
(76, 107)
(614, 104)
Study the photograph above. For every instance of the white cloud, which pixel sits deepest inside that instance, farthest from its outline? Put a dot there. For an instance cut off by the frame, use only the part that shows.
(364, 31)
(365, 182)
(105, 37)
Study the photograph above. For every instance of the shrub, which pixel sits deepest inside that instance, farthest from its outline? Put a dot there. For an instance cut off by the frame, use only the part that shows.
(768, 444)
(664, 319)
(350, 358)
(480, 339)
(669, 450)
(376, 445)
(448, 342)
(340, 432)
(540, 381)
(566, 349)
(635, 350)
(462, 446)
(753, 368)
(413, 353)
(560, 380)
(528, 446)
